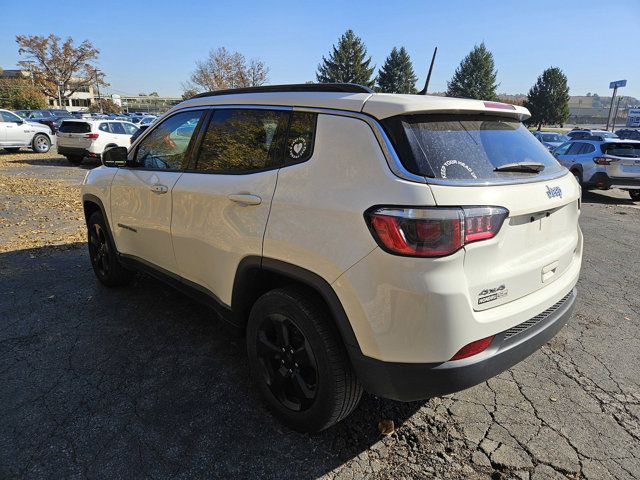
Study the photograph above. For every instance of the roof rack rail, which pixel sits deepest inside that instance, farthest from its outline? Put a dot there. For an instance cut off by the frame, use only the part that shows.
(296, 87)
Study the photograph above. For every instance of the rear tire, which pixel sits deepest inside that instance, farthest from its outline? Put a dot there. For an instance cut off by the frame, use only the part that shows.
(40, 143)
(635, 195)
(103, 255)
(74, 159)
(298, 362)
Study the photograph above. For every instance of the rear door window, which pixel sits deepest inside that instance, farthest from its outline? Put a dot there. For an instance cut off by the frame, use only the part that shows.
(117, 128)
(104, 127)
(74, 127)
(466, 147)
(575, 148)
(243, 140)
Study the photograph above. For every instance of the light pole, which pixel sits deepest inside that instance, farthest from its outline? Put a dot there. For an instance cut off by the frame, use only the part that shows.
(615, 113)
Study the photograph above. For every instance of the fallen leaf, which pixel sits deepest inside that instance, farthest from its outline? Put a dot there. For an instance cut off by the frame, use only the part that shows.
(386, 427)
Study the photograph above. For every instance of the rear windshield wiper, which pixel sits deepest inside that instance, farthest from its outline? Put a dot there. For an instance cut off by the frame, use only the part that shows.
(528, 167)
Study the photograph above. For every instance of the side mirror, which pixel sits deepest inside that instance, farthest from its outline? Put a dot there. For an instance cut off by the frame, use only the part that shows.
(114, 157)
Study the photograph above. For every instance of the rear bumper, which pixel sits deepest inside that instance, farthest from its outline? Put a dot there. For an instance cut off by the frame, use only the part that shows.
(76, 152)
(416, 381)
(603, 181)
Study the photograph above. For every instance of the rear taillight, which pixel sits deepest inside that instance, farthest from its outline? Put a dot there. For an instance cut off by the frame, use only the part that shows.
(602, 160)
(92, 136)
(473, 348)
(432, 231)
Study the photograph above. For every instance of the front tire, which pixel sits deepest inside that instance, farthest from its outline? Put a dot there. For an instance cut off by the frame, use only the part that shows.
(102, 253)
(635, 195)
(41, 143)
(298, 362)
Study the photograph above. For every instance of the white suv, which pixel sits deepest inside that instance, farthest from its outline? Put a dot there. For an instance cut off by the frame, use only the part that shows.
(16, 132)
(409, 246)
(82, 138)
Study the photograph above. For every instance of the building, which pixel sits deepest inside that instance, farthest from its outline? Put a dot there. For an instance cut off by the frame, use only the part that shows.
(81, 99)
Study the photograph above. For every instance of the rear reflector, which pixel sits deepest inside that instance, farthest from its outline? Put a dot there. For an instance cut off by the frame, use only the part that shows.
(504, 106)
(92, 135)
(432, 231)
(473, 348)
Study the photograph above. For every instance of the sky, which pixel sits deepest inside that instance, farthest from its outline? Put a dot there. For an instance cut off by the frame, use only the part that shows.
(153, 45)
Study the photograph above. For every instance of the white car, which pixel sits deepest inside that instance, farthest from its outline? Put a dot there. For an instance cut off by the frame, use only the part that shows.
(405, 245)
(82, 138)
(16, 132)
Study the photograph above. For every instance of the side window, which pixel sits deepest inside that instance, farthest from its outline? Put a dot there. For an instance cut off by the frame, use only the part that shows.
(562, 149)
(165, 147)
(117, 128)
(242, 140)
(575, 148)
(104, 127)
(9, 117)
(129, 128)
(587, 148)
(299, 146)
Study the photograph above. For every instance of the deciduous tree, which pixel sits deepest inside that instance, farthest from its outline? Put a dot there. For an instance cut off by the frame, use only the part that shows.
(397, 75)
(347, 63)
(548, 99)
(20, 94)
(223, 69)
(55, 64)
(475, 77)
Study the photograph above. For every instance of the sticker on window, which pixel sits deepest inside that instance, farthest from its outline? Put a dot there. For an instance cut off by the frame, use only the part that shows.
(297, 148)
(449, 164)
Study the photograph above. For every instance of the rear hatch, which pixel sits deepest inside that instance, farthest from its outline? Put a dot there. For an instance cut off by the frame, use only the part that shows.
(484, 160)
(74, 133)
(622, 159)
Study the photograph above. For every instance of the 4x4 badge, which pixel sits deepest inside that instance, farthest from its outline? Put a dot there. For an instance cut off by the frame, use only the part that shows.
(553, 192)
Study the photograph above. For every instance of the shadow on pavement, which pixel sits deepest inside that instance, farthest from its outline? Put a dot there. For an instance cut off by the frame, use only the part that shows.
(595, 196)
(53, 161)
(140, 381)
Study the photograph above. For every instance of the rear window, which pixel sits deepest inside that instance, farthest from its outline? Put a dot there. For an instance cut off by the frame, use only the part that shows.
(618, 149)
(466, 147)
(74, 127)
(553, 137)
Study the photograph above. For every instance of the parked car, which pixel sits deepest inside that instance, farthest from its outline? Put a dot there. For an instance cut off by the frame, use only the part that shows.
(16, 133)
(22, 113)
(612, 163)
(550, 140)
(586, 134)
(337, 228)
(49, 117)
(628, 134)
(78, 139)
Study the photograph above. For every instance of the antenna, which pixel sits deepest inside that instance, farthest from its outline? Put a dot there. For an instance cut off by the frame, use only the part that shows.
(426, 84)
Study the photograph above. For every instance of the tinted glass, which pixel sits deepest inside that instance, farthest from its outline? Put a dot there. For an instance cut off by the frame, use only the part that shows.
(553, 137)
(587, 148)
(299, 147)
(75, 127)
(166, 146)
(466, 147)
(630, 150)
(10, 117)
(116, 127)
(104, 127)
(242, 140)
(575, 148)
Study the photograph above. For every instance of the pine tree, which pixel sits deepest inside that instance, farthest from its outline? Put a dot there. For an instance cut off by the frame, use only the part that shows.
(475, 77)
(347, 63)
(548, 99)
(397, 75)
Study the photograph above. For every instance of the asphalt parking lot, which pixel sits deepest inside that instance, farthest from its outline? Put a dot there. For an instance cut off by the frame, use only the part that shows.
(141, 382)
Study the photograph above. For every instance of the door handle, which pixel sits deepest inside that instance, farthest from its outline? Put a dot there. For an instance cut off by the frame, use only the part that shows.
(245, 199)
(159, 188)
